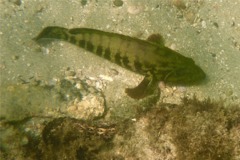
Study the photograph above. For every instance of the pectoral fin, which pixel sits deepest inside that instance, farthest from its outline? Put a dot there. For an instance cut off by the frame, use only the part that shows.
(145, 88)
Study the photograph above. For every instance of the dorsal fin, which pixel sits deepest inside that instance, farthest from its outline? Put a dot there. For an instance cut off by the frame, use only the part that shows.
(157, 39)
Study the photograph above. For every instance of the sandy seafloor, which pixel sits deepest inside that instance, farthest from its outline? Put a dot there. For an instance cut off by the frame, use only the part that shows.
(208, 31)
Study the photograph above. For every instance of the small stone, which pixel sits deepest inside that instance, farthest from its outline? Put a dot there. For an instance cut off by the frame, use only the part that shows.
(35, 82)
(72, 108)
(215, 24)
(118, 3)
(79, 86)
(17, 2)
(91, 90)
(98, 85)
(107, 78)
(114, 72)
(24, 141)
(70, 73)
(15, 57)
(83, 2)
(204, 24)
(190, 16)
(233, 24)
(44, 50)
(179, 4)
(89, 107)
(229, 92)
(213, 55)
(135, 9)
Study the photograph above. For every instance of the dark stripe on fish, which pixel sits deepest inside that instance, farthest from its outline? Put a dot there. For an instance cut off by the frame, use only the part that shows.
(90, 46)
(125, 62)
(82, 43)
(99, 50)
(137, 65)
(107, 54)
(117, 58)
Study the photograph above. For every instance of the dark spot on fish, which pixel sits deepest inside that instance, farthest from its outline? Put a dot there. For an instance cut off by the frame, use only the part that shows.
(82, 43)
(118, 58)
(107, 54)
(137, 65)
(126, 62)
(90, 46)
(99, 50)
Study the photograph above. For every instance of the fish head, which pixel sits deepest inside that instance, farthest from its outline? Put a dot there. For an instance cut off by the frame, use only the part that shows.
(188, 74)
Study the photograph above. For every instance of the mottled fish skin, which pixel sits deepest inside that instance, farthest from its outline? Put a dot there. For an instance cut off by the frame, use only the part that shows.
(149, 58)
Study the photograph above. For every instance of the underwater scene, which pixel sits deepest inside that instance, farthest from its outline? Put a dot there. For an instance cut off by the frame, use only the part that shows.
(119, 80)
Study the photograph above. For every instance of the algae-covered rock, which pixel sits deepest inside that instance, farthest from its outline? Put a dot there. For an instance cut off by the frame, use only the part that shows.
(67, 137)
(64, 97)
(191, 130)
(195, 130)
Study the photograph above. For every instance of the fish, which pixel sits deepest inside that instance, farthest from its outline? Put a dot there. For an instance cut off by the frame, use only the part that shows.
(149, 58)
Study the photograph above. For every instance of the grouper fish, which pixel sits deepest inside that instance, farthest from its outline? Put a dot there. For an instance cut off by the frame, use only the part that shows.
(149, 58)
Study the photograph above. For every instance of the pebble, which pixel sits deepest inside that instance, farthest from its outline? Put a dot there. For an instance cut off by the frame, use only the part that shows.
(107, 78)
(134, 9)
(118, 3)
(17, 2)
(70, 73)
(15, 57)
(204, 24)
(24, 141)
(45, 51)
(179, 4)
(83, 2)
(89, 107)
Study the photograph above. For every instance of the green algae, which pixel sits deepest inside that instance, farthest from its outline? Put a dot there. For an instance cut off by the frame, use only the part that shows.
(198, 129)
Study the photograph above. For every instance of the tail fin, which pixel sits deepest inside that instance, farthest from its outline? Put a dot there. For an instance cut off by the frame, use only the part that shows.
(52, 32)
